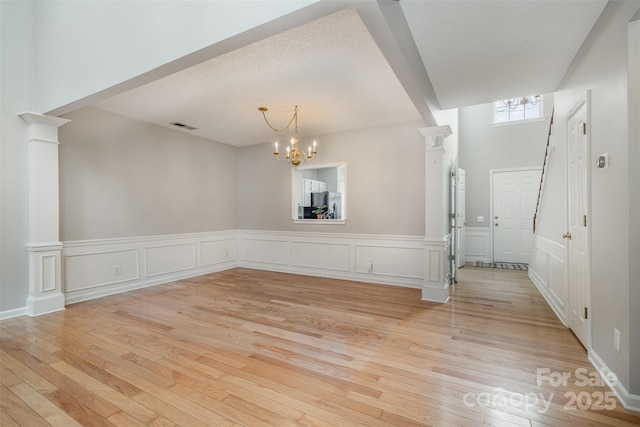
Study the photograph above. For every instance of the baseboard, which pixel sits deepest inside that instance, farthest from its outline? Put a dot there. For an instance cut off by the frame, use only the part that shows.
(16, 312)
(374, 279)
(630, 402)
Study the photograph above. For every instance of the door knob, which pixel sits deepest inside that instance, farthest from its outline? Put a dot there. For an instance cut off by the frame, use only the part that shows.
(496, 224)
(566, 236)
(496, 217)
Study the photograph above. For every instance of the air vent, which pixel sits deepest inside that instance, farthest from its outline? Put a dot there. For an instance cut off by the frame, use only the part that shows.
(183, 126)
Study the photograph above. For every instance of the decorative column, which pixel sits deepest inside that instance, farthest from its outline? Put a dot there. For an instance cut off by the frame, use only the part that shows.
(44, 246)
(436, 212)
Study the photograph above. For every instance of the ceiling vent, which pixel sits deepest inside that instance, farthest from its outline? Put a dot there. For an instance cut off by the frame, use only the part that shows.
(183, 126)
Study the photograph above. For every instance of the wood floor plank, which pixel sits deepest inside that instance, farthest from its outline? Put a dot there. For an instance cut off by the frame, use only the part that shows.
(15, 410)
(253, 348)
(43, 406)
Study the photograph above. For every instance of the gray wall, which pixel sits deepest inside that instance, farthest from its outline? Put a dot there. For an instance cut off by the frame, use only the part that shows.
(385, 183)
(601, 67)
(16, 36)
(483, 147)
(122, 178)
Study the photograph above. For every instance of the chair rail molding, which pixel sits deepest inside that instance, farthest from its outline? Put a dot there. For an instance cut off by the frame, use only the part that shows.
(44, 247)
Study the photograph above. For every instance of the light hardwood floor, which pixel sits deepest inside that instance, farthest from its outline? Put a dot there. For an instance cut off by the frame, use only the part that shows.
(253, 348)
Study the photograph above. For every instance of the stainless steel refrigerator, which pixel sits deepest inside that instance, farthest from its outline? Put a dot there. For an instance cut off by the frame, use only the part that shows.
(332, 200)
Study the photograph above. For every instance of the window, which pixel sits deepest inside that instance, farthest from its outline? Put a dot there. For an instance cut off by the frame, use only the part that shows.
(319, 193)
(517, 109)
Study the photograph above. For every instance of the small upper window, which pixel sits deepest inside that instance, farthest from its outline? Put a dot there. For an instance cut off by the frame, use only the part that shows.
(517, 109)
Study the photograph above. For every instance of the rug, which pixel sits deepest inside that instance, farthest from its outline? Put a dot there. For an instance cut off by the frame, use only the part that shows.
(504, 265)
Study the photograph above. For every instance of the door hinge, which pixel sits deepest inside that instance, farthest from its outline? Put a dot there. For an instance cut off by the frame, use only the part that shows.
(452, 257)
(586, 313)
(583, 126)
(584, 220)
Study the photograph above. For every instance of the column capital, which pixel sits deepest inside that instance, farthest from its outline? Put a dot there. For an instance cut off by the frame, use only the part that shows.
(42, 119)
(435, 135)
(43, 128)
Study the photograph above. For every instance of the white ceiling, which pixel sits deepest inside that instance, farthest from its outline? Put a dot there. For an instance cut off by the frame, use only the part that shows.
(368, 65)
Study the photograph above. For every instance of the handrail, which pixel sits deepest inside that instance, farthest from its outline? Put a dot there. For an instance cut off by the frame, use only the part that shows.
(544, 164)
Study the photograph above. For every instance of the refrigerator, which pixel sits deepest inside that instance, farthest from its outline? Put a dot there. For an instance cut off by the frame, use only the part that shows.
(331, 199)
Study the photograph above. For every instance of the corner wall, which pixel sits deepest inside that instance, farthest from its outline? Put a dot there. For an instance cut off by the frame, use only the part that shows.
(601, 67)
(16, 25)
(121, 177)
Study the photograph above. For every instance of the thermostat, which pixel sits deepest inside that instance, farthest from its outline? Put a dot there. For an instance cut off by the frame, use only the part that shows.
(602, 162)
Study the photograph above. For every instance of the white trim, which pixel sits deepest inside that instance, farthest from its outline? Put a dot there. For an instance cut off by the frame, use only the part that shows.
(630, 402)
(320, 221)
(16, 312)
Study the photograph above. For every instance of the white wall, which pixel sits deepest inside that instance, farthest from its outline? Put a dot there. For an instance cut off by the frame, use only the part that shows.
(484, 147)
(86, 47)
(17, 94)
(385, 183)
(124, 178)
(601, 67)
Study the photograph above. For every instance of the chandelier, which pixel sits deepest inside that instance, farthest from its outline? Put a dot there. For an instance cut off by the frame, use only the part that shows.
(294, 154)
(514, 103)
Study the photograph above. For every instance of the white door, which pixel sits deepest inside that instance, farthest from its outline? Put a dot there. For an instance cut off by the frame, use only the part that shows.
(514, 203)
(577, 237)
(462, 221)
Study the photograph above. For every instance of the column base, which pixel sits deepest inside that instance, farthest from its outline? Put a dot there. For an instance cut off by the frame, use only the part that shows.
(37, 306)
(437, 274)
(440, 295)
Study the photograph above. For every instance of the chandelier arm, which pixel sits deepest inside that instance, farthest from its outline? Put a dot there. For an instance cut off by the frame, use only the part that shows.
(295, 117)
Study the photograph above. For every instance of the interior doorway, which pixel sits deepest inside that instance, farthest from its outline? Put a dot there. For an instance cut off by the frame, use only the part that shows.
(513, 202)
(577, 236)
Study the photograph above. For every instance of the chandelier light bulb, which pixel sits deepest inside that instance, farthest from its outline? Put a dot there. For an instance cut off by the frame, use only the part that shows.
(294, 154)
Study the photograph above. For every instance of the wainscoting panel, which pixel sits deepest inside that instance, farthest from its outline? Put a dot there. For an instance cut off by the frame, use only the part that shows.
(327, 256)
(391, 261)
(264, 251)
(547, 272)
(396, 260)
(170, 259)
(214, 252)
(96, 268)
(93, 269)
(478, 244)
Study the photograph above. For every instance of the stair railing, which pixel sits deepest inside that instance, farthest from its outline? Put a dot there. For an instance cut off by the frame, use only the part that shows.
(544, 169)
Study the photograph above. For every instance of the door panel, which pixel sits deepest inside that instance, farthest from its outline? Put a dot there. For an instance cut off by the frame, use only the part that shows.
(577, 244)
(514, 201)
